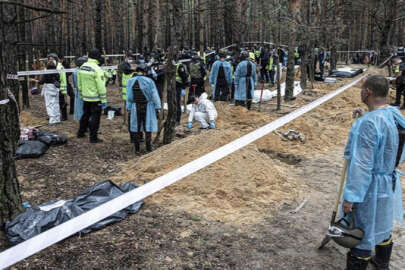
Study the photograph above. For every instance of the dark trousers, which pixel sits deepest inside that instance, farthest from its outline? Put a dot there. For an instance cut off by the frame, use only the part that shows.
(90, 119)
(71, 95)
(63, 107)
(138, 135)
(271, 75)
(399, 94)
(221, 92)
(264, 74)
(178, 103)
(199, 89)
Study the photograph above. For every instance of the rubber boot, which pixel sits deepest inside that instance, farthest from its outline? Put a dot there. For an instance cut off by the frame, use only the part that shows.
(137, 149)
(382, 257)
(354, 263)
(148, 138)
(132, 137)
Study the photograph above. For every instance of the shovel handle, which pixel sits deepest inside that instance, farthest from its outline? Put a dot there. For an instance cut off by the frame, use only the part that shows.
(342, 184)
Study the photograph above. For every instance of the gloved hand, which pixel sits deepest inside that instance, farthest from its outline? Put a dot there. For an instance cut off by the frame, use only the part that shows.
(189, 125)
(183, 92)
(212, 125)
(103, 106)
(212, 86)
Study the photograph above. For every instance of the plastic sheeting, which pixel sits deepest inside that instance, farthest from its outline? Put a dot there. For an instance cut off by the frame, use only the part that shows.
(30, 149)
(345, 72)
(268, 95)
(51, 139)
(40, 218)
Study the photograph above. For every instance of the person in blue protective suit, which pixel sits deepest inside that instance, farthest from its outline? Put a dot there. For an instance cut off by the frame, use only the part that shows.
(372, 194)
(221, 78)
(78, 106)
(245, 81)
(143, 104)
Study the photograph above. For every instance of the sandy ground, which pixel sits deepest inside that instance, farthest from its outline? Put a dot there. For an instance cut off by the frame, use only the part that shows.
(234, 214)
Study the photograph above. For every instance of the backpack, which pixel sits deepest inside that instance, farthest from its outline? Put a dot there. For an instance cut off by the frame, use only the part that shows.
(221, 79)
(249, 69)
(195, 70)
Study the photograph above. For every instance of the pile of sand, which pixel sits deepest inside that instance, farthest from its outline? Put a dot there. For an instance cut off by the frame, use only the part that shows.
(242, 188)
(248, 185)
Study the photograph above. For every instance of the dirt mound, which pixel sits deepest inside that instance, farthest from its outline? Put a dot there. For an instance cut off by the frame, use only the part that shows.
(240, 189)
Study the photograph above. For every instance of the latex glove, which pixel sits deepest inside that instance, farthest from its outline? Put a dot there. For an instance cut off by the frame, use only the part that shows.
(189, 125)
(103, 106)
(212, 86)
(212, 125)
(183, 92)
(347, 207)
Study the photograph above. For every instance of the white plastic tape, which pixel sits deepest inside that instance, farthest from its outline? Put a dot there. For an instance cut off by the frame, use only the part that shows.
(55, 71)
(75, 225)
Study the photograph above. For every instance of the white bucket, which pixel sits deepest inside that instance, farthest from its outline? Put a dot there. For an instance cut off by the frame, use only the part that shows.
(111, 115)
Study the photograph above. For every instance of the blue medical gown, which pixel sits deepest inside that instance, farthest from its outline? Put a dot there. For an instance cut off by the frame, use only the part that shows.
(78, 111)
(149, 89)
(371, 154)
(214, 74)
(241, 79)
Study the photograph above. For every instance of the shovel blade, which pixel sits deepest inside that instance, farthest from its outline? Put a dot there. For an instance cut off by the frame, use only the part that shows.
(324, 242)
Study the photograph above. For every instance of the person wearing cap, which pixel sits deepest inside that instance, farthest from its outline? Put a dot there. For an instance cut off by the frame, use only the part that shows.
(182, 82)
(53, 57)
(78, 107)
(143, 105)
(221, 78)
(49, 83)
(202, 111)
(91, 84)
(245, 81)
(197, 75)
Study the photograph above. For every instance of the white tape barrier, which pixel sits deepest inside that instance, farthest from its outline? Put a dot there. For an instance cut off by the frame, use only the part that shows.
(55, 71)
(75, 225)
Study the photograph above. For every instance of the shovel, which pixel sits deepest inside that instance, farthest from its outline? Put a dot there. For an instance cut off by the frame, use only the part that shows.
(333, 219)
(261, 96)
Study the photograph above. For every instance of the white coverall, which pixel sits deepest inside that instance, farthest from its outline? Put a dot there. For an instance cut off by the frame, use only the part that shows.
(204, 112)
(51, 94)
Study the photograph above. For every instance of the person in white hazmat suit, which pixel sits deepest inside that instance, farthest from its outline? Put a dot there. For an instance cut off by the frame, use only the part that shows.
(50, 89)
(203, 111)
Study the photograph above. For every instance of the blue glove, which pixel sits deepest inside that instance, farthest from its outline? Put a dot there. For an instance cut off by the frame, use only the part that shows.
(183, 92)
(103, 106)
(189, 125)
(212, 125)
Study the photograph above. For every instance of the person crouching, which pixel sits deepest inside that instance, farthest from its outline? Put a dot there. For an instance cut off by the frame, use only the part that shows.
(143, 105)
(203, 111)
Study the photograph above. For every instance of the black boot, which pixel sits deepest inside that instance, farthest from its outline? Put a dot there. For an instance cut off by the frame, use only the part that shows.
(353, 263)
(132, 137)
(137, 149)
(148, 138)
(382, 257)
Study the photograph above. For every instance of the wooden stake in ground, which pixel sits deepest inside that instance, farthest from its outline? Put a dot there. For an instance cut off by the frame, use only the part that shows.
(261, 96)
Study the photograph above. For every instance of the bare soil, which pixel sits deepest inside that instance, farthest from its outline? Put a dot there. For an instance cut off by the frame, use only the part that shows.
(234, 214)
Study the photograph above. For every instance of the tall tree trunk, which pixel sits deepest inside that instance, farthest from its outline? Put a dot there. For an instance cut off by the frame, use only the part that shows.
(175, 8)
(10, 199)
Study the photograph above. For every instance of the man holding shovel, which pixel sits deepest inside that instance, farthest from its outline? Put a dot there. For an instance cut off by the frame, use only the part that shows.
(372, 195)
